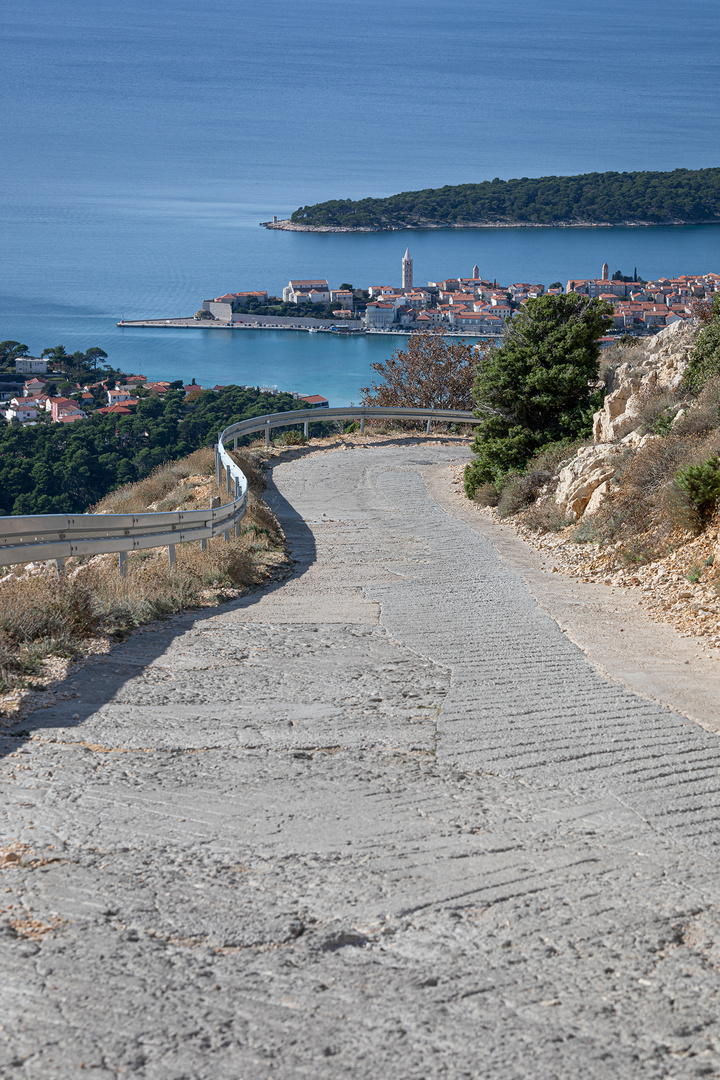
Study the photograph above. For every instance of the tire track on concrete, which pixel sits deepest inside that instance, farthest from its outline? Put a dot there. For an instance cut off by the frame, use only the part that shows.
(246, 854)
(523, 699)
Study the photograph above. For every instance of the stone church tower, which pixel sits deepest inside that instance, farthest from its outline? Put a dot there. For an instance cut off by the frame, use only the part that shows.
(605, 272)
(476, 271)
(407, 271)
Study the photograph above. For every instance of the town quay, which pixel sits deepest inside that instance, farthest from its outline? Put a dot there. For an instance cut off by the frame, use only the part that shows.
(381, 819)
(468, 306)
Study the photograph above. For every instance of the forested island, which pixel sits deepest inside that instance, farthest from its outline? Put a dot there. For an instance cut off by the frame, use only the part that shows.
(680, 197)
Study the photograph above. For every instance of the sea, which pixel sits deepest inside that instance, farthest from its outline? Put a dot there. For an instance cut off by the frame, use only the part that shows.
(143, 143)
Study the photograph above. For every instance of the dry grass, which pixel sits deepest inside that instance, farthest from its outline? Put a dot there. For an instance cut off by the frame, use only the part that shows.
(42, 615)
(647, 515)
(519, 490)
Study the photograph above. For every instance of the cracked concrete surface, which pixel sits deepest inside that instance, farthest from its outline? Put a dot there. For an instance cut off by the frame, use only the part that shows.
(384, 819)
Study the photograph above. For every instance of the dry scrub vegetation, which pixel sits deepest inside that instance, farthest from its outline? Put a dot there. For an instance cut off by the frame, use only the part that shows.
(45, 618)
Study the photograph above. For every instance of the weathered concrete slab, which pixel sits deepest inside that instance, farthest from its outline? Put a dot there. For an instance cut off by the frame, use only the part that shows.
(295, 839)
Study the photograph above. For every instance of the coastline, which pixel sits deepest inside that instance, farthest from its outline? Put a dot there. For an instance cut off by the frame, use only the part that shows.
(190, 323)
(286, 225)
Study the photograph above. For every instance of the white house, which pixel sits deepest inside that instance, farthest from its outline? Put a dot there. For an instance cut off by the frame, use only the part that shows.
(344, 297)
(19, 410)
(380, 315)
(32, 364)
(312, 291)
(116, 396)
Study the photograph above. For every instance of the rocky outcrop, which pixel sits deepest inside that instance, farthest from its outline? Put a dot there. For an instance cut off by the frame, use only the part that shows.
(585, 481)
(619, 414)
(585, 474)
(660, 363)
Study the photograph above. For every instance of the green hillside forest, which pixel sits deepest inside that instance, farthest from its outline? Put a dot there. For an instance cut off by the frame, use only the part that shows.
(683, 196)
(65, 468)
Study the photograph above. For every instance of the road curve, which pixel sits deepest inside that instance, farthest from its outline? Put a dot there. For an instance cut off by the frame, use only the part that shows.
(384, 819)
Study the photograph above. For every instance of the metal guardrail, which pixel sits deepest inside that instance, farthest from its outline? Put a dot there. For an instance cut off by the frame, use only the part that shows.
(39, 537)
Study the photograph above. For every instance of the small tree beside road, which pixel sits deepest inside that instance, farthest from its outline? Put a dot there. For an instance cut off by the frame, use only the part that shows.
(539, 386)
(431, 373)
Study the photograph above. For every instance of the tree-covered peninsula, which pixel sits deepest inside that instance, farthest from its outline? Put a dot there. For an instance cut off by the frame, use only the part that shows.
(680, 197)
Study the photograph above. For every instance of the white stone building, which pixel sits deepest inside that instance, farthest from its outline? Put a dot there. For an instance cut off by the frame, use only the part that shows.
(380, 315)
(310, 291)
(31, 364)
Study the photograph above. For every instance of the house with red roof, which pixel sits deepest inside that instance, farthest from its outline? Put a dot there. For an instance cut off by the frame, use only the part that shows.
(33, 386)
(64, 411)
(21, 410)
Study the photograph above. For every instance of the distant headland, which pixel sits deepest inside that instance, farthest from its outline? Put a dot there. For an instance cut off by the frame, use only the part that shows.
(680, 197)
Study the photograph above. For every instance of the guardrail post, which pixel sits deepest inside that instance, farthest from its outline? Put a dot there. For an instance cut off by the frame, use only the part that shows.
(362, 425)
(306, 429)
(60, 564)
(171, 554)
(236, 498)
(217, 464)
(235, 442)
(228, 481)
(267, 435)
(122, 563)
(427, 427)
(203, 544)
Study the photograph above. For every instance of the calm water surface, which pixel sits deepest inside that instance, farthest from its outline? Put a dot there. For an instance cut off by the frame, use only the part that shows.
(143, 142)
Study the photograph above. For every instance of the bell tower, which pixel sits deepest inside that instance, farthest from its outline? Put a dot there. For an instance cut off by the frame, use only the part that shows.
(407, 271)
(476, 271)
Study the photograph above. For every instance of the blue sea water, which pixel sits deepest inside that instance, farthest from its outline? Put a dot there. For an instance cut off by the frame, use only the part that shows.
(144, 141)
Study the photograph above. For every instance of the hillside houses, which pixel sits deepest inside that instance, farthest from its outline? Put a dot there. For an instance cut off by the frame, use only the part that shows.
(648, 305)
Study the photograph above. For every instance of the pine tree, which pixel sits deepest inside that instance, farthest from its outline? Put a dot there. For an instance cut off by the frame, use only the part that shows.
(540, 386)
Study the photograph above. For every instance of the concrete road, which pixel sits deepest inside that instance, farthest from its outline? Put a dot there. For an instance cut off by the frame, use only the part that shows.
(385, 820)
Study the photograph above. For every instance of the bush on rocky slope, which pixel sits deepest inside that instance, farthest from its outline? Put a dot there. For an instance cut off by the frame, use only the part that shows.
(649, 482)
(539, 387)
(705, 360)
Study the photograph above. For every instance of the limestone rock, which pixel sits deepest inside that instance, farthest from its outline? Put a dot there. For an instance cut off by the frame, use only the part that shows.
(578, 480)
(618, 416)
(585, 481)
(658, 363)
(596, 499)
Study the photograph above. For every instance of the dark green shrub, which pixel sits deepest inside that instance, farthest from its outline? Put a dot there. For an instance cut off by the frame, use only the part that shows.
(701, 484)
(292, 438)
(540, 386)
(705, 359)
